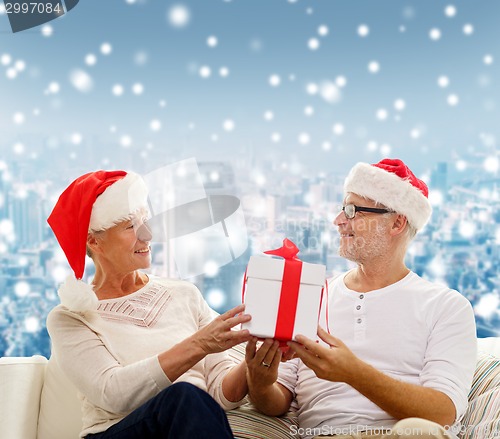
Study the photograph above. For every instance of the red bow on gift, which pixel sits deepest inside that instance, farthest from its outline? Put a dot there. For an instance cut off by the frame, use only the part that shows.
(288, 250)
(290, 286)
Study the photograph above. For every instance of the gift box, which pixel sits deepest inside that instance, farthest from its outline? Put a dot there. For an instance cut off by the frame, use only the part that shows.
(283, 296)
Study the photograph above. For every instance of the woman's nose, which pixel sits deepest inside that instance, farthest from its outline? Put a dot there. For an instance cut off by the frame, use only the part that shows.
(144, 233)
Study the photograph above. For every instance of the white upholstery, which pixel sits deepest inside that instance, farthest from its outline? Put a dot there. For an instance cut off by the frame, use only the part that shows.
(21, 381)
(35, 395)
(60, 411)
(490, 345)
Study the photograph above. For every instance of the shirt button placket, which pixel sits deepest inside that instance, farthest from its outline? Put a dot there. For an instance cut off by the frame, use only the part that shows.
(359, 319)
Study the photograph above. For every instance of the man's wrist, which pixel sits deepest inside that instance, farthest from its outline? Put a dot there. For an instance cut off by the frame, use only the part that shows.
(358, 371)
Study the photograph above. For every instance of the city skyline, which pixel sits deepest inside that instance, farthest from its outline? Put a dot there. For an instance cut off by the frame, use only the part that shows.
(450, 250)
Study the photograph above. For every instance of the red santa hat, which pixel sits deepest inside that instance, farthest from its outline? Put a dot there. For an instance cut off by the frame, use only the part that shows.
(391, 183)
(93, 202)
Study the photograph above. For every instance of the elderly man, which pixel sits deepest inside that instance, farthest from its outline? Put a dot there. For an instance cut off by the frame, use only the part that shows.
(401, 354)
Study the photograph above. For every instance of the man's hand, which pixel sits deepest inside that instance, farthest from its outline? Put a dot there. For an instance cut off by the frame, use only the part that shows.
(335, 363)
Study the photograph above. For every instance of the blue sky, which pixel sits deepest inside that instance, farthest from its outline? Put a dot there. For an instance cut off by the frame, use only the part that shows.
(402, 109)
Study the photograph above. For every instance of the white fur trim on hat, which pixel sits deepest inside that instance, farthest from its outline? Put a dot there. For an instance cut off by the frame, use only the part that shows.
(77, 295)
(119, 202)
(390, 190)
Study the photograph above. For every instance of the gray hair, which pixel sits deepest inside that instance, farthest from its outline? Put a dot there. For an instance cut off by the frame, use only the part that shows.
(410, 229)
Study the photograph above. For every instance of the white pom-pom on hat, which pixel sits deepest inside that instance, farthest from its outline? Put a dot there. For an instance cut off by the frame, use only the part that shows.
(77, 295)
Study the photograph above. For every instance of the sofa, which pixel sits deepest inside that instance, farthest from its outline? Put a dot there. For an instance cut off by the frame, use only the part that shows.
(38, 402)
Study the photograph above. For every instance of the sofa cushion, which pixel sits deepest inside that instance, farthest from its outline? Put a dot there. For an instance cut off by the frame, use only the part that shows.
(491, 345)
(247, 423)
(482, 418)
(21, 380)
(60, 412)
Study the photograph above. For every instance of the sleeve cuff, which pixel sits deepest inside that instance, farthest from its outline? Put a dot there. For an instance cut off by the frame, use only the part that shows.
(156, 373)
(225, 403)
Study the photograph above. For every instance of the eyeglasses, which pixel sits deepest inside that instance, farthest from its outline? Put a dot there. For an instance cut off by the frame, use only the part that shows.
(350, 210)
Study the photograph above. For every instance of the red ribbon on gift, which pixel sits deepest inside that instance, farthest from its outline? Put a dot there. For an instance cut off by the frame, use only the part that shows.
(290, 286)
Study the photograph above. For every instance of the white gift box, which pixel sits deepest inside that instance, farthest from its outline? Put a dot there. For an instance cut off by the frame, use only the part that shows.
(263, 293)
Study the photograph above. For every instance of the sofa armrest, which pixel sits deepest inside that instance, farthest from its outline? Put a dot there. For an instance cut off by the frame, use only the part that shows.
(21, 382)
(490, 345)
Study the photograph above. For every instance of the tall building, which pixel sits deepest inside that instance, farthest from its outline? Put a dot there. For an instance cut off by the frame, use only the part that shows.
(439, 178)
(27, 214)
(217, 177)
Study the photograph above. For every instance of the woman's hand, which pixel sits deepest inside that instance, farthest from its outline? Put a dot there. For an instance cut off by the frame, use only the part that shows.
(262, 363)
(218, 336)
(266, 394)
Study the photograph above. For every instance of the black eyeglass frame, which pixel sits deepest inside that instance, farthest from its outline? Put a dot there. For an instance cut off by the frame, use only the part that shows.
(363, 209)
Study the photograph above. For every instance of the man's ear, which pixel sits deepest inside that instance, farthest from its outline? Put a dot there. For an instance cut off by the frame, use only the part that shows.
(399, 224)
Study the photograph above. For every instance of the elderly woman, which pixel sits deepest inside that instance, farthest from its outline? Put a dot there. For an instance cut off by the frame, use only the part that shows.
(142, 351)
